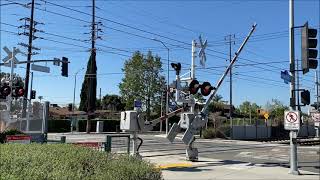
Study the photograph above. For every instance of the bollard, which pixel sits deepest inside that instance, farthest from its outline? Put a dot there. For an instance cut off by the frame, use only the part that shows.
(107, 144)
(63, 139)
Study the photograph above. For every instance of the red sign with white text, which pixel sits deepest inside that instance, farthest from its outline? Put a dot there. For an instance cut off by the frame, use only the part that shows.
(22, 139)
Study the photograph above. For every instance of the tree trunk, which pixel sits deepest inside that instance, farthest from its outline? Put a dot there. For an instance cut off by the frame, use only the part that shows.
(88, 128)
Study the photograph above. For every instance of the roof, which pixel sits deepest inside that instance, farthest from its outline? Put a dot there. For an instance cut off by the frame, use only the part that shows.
(58, 111)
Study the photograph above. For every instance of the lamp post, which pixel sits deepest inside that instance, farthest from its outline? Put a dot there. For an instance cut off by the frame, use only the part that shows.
(167, 100)
(74, 94)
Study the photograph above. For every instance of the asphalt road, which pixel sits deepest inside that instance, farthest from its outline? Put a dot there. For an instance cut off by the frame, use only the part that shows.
(231, 151)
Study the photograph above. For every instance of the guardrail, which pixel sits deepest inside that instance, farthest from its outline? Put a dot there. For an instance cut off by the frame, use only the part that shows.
(117, 143)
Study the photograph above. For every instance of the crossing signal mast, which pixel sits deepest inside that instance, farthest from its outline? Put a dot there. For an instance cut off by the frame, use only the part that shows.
(134, 121)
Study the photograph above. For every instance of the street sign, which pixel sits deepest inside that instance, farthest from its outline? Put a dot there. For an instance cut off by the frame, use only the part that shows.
(291, 120)
(316, 119)
(137, 104)
(56, 61)
(286, 76)
(266, 116)
(39, 68)
(21, 139)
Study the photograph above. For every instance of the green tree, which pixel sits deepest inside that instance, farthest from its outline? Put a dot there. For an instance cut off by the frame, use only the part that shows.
(216, 104)
(89, 89)
(276, 109)
(247, 107)
(142, 81)
(112, 102)
(199, 98)
(18, 81)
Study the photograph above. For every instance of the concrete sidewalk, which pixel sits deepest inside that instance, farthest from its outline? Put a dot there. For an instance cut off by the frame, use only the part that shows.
(176, 167)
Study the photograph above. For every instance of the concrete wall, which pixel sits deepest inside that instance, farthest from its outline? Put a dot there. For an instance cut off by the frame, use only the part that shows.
(307, 131)
(251, 132)
(261, 131)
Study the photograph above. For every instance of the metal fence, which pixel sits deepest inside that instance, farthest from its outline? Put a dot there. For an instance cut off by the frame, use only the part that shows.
(118, 143)
(35, 120)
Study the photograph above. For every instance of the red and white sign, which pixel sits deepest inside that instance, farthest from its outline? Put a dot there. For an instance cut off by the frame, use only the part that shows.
(292, 120)
(22, 139)
(316, 119)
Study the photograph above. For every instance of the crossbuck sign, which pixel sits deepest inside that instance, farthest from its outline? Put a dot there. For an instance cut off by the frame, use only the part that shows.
(291, 120)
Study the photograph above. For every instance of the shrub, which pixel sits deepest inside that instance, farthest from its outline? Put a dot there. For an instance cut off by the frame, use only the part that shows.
(65, 161)
(212, 133)
(9, 132)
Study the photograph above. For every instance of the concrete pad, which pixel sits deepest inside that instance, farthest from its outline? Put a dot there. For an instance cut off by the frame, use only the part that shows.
(176, 167)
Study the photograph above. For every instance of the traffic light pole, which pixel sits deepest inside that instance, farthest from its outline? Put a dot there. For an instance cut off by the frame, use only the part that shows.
(317, 75)
(293, 134)
(230, 96)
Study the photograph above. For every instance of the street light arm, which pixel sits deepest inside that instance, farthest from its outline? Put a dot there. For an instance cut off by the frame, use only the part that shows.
(78, 71)
(161, 43)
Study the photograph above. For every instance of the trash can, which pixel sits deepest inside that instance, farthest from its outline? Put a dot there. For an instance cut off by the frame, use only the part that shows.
(99, 127)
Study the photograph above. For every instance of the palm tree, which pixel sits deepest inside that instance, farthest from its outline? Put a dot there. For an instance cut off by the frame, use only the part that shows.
(217, 98)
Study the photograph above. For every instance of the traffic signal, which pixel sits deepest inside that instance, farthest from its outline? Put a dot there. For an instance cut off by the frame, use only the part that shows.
(18, 92)
(305, 97)
(258, 111)
(206, 88)
(33, 94)
(5, 91)
(64, 69)
(309, 52)
(176, 67)
(194, 86)
(70, 107)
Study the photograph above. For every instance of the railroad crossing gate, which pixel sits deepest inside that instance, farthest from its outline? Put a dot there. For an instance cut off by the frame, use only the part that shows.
(291, 120)
(316, 119)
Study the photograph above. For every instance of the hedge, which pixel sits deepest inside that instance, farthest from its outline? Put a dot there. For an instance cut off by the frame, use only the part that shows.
(66, 161)
(213, 133)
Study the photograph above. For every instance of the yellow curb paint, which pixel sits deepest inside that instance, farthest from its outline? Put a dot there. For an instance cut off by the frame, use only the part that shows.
(175, 165)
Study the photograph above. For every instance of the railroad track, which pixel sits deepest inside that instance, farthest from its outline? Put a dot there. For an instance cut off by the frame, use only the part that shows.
(312, 142)
(300, 141)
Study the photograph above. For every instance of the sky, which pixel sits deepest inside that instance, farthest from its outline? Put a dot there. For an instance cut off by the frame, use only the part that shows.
(129, 26)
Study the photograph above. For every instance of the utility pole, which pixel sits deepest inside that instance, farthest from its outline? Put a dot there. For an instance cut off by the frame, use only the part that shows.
(293, 134)
(100, 100)
(161, 109)
(26, 84)
(230, 41)
(93, 55)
